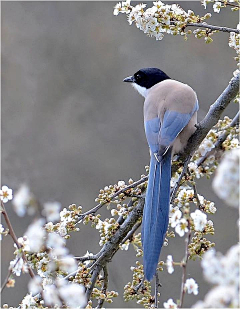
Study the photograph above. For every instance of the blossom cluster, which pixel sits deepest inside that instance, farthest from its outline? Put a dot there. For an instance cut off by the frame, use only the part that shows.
(160, 19)
(223, 272)
(138, 289)
(218, 5)
(208, 151)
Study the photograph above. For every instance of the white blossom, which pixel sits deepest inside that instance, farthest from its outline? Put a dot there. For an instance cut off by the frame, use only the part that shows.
(28, 302)
(121, 184)
(170, 304)
(62, 230)
(191, 286)
(212, 208)
(220, 269)
(49, 226)
(24, 243)
(210, 223)
(68, 264)
(57, 245)
(175, 216)
(125, 246)
(17, 266)
(217, 7)
(226, 181)
(169, 263)
(35, 285)
(51, 211)
(36, 235)
(205, 146)
(117, 9)
(199, 219)
(65, 216)
(181, 227)
(21, 200)
(1, 231)
(194, 168)
(158, 4)
(50, 295)
(204, 3)
(6, 194)
(220, 297)
(73, 295)
(43, 269)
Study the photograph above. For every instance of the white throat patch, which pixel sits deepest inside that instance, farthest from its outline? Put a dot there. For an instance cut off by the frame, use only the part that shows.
(142, 90)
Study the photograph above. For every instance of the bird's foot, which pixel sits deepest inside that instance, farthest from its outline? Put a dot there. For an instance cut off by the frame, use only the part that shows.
(156, 157)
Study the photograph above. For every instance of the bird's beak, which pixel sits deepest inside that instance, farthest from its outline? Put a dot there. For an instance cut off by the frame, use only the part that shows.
(129, 79)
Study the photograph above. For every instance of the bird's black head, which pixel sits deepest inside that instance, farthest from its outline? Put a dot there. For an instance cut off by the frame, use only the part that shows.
(147, 77)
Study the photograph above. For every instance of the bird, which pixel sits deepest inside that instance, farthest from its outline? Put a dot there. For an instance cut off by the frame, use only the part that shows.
(170, 115)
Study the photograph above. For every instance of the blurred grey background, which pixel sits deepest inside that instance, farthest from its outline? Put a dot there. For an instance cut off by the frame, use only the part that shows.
(70, 125)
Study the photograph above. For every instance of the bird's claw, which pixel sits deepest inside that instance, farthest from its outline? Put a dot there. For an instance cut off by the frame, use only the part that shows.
(156, 157)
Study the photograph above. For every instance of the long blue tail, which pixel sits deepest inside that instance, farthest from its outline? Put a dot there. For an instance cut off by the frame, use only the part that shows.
(156, 213)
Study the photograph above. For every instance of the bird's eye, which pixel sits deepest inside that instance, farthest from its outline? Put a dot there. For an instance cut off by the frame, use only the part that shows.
(137, 76)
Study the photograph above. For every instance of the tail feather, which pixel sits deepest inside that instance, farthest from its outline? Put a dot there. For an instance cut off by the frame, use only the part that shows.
(156, 212)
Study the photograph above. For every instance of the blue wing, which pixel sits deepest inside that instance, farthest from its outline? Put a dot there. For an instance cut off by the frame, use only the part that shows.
(161, 135)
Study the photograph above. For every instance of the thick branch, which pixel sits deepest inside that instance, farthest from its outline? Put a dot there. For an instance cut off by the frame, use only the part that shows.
(112, 246)
(212, 27)
(211, 119)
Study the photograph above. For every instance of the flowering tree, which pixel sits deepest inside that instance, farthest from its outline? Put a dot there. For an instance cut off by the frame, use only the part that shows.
(59, 279)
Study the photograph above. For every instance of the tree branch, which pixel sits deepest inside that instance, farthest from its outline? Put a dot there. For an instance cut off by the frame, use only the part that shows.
(100, 205)
(184, 265)
(112, 246)
(212, 27)
(104, 286)
(14, 237)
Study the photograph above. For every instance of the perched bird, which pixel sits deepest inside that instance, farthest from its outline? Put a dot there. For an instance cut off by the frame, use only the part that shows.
(170, 115)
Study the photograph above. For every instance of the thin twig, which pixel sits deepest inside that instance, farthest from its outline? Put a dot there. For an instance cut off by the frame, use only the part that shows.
(230, 4)
(100, 205)
(184, 265)
(94, 277)
(130, 234)
(8, 276)
(14, 237)
(104, 286)
(156, 290)
(140, 285)
(212, 27)
(196, 196)
(86, 258)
